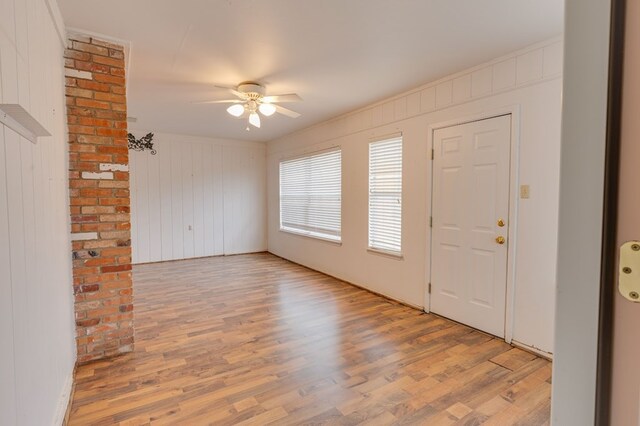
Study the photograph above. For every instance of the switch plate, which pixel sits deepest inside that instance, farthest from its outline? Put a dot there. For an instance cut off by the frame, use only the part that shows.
(524, 191)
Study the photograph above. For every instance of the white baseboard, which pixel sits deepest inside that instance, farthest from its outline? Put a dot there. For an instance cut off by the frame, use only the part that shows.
(64, 401)
(534, 350)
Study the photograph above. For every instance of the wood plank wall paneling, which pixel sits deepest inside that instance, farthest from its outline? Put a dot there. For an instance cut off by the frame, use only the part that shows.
(197, 197)
(36, 300)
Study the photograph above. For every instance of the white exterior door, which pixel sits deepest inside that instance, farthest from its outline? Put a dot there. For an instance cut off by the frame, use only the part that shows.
(470, 209)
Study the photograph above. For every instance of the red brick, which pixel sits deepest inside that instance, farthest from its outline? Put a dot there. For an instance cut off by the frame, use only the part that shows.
(102, 131)
(84, 112)
(78, 201)
(112, 115)
(102, 158)
(89, 103)
(98, 140)
(119, 107)
(89, 121)
(113, 149)
(89, 288)
(90, 48)
(83, 218)
(116, 53)
(118, 90)
(78, 147)
(93, 85)
(100, 261)
(84, 130)
(74, 54)
(105, 78)
(116, 268)
(114, 201)
(74, 91)
(81, 183)
(110, 97)
(121, 158)
(96, 192)
(88, 322)
(113, 62)
(116, 251)
(97, 227)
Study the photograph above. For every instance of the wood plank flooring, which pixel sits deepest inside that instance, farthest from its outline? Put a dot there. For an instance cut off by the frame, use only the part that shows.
(257, 340)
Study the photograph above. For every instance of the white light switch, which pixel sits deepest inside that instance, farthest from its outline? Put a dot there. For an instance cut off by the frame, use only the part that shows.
(524, 191)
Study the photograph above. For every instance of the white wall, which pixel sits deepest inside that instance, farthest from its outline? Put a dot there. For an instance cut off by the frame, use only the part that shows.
(37, 350)
(529, 81)
(197, 197)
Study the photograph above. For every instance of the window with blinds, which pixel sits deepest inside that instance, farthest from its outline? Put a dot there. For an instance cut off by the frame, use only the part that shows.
(385, 195)
(311, 195)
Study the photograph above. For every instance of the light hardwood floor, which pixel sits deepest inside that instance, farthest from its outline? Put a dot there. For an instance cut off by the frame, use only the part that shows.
(254, 339)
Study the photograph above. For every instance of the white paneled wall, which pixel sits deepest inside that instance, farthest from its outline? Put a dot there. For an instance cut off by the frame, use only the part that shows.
(197, 197)
(527, 82)
(37, 350)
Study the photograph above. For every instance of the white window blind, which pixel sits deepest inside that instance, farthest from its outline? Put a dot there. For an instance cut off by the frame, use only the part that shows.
(385, 195)
(311, 195)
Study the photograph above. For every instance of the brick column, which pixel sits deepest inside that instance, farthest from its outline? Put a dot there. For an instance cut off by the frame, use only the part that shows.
(99, 197)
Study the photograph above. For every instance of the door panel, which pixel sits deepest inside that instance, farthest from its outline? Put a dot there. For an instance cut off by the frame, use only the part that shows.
(470, 195)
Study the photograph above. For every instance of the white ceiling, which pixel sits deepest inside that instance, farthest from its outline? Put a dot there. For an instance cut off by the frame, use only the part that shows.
(338, 55)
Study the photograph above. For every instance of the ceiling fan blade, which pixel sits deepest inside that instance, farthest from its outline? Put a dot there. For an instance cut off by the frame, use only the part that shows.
(287, 112)
(223, 101)
(232, 90)
(290, 97)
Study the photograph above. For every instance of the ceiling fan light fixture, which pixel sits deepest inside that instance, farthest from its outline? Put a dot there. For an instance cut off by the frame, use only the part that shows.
(254, 119)
(267, 109)
(236, 110)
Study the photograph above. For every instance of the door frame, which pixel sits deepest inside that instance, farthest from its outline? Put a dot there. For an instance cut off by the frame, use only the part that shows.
(593, 38)
(514, 151)
(609, 266)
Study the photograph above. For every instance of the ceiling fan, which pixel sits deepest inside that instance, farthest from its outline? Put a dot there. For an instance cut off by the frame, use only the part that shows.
(251, 99)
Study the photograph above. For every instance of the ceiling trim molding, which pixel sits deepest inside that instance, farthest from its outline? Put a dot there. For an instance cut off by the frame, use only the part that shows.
(58, 22)
(434, 83)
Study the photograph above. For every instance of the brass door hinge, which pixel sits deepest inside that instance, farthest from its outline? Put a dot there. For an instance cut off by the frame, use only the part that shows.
(429, 288)
(629, 271)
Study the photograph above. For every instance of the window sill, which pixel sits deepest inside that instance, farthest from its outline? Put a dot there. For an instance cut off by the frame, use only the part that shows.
(391, 254)
(315, 237)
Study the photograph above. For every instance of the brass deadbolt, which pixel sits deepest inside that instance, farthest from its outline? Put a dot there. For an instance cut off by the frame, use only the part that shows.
(500, 223)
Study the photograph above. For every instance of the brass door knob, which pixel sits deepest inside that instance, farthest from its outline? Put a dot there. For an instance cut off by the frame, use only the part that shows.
(500, 240)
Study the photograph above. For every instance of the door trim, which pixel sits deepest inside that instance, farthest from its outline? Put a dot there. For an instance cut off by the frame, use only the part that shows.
(609, 255)
(514, 112)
